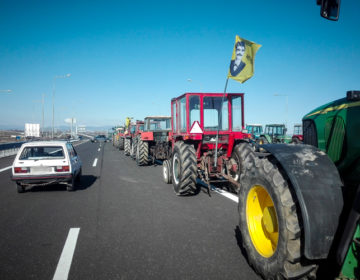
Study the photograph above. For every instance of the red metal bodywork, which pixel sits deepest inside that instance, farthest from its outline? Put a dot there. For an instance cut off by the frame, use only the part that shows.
(227, 138)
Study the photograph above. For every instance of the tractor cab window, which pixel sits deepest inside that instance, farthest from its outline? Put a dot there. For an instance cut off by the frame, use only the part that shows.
(183, 114)
(159, 124)
(141, 127)
(236, 113)
(194, 108)
(174, 116)
(215, 114)
(132, 129)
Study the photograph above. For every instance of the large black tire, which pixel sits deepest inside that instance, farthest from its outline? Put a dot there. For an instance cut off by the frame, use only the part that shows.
(133, 148)
(121, 143)
(20, 188)
(240, 153)
(269, 223)
(166, 170)
(127, 146)
(184, 169)
(142, 152)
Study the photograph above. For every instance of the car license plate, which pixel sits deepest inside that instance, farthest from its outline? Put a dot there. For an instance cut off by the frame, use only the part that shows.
(40, 169)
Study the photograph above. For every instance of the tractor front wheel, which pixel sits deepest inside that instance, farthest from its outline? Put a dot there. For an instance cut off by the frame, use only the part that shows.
(184, 169)
(166, 168)
(269, 223)
(142, 152)
(239, 155)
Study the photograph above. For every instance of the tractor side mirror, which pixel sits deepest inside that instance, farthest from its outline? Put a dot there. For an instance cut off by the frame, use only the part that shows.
(330, 9)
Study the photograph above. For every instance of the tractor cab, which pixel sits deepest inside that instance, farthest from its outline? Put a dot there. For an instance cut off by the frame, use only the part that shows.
(255, 130)
(200, 117)
(275, 133)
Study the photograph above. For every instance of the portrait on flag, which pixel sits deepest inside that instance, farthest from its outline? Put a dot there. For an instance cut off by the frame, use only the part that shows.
(242, 60)
(236, 65)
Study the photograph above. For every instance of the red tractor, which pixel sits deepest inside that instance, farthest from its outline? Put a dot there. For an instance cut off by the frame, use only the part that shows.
(154, 140)
(207, 141)
(130, 135)
(297, 137)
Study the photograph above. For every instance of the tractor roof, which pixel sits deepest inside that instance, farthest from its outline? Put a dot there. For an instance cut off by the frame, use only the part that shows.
(215, 94)
(158, 117)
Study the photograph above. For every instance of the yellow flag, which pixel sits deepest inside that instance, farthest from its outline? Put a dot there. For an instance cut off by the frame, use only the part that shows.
(243, 60)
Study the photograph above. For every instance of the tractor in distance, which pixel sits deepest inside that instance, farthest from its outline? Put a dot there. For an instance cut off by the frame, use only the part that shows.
(118, 137)
(297, 137)
(154, 140)
(274, 133)
(255, 130)
(208, 141)
(138, 128)
(299, 205)
(131, 132)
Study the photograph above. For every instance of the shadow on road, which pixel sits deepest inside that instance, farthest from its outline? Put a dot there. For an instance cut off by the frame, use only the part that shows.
(86, 182)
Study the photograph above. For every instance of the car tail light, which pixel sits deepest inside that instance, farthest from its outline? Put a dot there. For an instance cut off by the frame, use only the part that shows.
(21, 169)
(65, 168)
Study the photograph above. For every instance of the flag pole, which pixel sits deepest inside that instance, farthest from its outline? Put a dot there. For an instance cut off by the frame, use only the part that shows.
(220, 120)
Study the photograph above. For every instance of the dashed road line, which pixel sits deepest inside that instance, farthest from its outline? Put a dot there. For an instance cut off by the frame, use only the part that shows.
(6, 168)
(99, 150)
(227, 194)
(95, 162)
(64, 264)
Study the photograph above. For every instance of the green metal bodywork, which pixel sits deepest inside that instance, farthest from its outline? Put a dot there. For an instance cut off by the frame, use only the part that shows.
(351, 269)
(335, 129)
(338, 134)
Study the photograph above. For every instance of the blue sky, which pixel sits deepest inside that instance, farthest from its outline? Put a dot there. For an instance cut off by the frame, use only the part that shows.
(129, 58)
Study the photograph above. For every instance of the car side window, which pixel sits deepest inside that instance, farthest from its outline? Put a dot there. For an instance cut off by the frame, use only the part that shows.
(70, 150)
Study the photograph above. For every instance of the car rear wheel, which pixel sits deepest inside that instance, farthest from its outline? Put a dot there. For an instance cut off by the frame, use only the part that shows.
(71, 185)
(20, 188)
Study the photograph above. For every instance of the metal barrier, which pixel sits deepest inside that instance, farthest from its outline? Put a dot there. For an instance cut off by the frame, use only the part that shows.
(9, 149)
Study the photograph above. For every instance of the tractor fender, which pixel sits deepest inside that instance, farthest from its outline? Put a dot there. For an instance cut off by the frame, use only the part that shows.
(318, 189)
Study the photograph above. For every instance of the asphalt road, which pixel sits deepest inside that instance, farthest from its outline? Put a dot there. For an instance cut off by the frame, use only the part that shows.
(132, 226)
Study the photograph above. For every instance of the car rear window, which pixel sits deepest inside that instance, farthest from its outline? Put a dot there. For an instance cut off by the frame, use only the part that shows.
(42, 152)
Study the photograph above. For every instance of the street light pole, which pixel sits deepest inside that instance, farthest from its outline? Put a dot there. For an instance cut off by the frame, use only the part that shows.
(286, 107)
(53, 101)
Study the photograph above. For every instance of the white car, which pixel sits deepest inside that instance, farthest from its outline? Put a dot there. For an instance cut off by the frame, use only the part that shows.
(46, 163)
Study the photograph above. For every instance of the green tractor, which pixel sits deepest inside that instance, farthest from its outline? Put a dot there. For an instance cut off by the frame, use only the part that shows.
(299, 205)
(274, 133)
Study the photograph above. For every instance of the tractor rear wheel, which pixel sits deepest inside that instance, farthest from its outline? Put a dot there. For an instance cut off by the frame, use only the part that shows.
(166, 171)
(121, 144)
(127, 146)
(133, 148)
(142, 152)
(269, 223)
(184, 169)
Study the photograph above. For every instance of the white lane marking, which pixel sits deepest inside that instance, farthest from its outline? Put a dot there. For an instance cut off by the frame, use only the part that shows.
(6, 168)
(99, 150)
(95, 162)
(64, 264)
(227, 194)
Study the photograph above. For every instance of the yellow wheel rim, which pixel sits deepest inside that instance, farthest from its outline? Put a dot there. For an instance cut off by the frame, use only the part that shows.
(262, 221)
